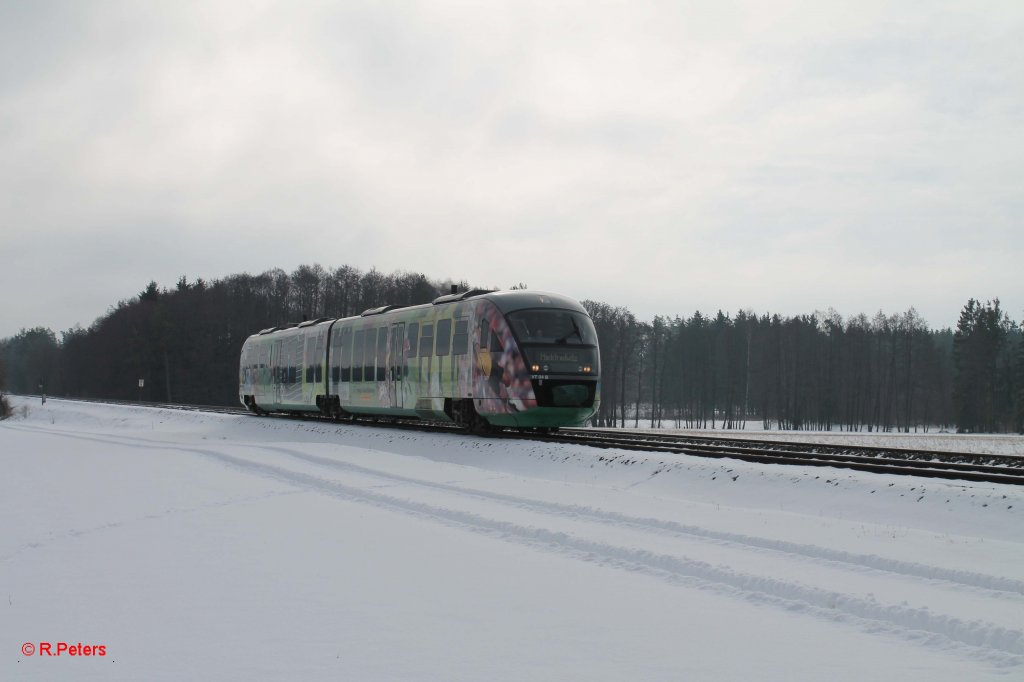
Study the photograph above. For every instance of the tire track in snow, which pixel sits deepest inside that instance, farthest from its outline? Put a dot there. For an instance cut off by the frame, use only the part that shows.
(864, 562)
(868, 562)
(995, 644)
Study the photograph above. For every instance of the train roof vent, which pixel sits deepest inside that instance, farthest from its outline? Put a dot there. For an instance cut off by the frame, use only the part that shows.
(310, 323)
(378, 311)
(448, 298)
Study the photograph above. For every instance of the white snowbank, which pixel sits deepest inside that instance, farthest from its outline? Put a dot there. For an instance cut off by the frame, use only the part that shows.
(1009, 445)
(199, 546)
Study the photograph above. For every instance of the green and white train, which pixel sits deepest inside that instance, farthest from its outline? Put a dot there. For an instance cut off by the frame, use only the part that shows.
(478, 358)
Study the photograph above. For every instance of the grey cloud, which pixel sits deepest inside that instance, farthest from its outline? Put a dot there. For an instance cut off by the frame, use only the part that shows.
(786, 157)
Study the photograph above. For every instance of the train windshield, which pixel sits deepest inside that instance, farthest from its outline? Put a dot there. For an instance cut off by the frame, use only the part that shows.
(553, 326)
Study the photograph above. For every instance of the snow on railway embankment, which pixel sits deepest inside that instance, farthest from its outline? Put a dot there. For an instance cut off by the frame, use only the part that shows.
(233, 547)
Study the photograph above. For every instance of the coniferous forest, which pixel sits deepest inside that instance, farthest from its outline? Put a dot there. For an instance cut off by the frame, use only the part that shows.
(815, 371)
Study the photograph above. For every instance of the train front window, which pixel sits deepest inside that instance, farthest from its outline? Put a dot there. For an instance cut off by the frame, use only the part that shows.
(563, 327)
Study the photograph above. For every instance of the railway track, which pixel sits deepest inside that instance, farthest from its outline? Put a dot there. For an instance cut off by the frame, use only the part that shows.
(901, 461)
(927, 463)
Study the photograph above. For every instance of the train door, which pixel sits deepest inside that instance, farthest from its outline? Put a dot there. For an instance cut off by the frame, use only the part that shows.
(396, 364)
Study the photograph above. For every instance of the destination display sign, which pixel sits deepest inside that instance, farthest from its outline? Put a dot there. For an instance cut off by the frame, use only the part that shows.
(560, 355)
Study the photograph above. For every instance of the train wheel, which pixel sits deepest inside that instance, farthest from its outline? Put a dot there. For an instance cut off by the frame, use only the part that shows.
(467, 416)
(479, 426)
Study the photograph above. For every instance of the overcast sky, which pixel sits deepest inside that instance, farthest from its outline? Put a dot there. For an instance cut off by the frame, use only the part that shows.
(674, 156)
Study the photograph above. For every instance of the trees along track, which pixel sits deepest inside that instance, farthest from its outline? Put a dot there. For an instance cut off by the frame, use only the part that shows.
(929, 463)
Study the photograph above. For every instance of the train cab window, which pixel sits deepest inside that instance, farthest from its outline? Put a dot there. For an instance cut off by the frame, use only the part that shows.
(382, 353)
(460, 342)
(357, 356)
(564, 327)
(411, 337)
(444, 337)
(426, 340)
(346, 354)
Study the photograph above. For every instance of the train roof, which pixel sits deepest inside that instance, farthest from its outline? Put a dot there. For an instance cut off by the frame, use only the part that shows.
(520, 299)
(506, 302)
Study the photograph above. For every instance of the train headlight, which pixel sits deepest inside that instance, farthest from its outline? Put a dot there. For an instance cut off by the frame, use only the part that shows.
(586, 369)
(534, 368)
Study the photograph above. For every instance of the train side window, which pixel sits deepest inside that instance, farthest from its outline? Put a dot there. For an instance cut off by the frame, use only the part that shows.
(444, 337)
(357, 356)
(496, 345)
(426, 340)
(368, 353)
(346, 354)
(308, 357)
(411, 337)
(334, 355)
(293, 373)
(318, 373)
(319, 348)
(382, 353)
(460, 342)
(485, 328)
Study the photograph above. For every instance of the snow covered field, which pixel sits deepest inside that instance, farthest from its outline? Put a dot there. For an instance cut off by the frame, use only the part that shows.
(198, 546)
(1010, 445)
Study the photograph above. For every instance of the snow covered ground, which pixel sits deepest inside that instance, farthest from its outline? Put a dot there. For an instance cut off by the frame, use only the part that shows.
(1010, 445)
(198, 546)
